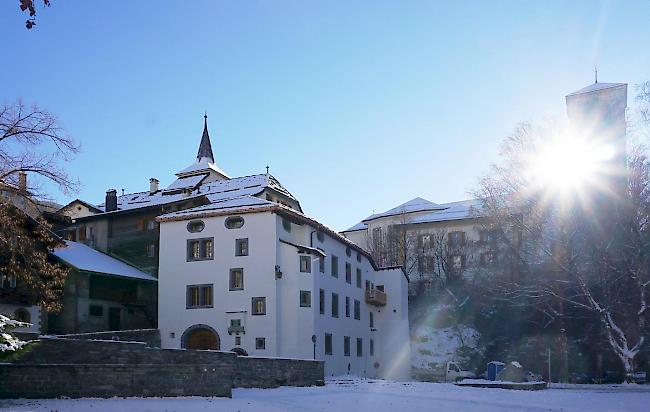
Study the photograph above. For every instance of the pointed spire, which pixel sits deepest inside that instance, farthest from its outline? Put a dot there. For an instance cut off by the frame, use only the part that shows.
(205, 148)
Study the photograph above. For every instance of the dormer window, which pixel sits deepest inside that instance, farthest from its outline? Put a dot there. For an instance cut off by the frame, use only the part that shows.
(234, 222)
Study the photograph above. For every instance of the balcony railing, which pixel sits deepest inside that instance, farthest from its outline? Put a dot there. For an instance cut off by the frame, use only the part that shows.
(375, 297)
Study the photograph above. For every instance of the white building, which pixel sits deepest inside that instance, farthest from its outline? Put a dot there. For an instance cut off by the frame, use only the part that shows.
(250, 272)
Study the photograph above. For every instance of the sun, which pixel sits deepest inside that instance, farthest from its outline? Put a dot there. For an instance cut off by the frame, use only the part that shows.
(568, 164)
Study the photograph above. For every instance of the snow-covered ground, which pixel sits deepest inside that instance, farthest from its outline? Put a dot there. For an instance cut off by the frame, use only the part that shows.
(360, 395)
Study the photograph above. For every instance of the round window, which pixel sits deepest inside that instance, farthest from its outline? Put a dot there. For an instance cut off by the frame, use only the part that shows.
(234, 222)
(195, 226)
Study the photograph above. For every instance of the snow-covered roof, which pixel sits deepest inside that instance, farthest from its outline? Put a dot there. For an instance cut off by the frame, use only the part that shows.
(187, 182)
(249, 203)
(84, 257)
(412, 206)
(201, 165)
(214, 191)
(358, 226)
(465, 209)
(596, 87)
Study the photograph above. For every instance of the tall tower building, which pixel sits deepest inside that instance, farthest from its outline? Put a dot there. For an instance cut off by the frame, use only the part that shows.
(597, 114)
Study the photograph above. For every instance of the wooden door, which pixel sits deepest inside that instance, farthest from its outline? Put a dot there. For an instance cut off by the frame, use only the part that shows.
(203, 339)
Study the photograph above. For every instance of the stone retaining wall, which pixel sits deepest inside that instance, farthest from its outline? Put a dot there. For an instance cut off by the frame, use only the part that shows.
(253, 372)
(149, 336)
(89, 368)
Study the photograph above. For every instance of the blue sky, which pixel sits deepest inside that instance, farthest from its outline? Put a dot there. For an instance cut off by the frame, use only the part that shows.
(355, 106)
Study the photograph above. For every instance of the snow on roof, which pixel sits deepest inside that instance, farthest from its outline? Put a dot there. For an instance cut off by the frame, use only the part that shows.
(596, 87)
(465, 209)
(187, 182)
(248, 202)
(201, 165)
(414, 205)
(214, 191)
(84, 257)
(358, 226)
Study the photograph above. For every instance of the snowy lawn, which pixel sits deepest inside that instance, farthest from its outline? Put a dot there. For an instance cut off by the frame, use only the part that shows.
(360, 395)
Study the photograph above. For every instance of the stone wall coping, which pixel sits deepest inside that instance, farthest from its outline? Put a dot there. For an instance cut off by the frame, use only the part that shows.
(117, 332)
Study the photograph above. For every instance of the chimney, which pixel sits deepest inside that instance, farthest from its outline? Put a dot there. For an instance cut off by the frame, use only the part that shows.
(22, 182)
(153, 185)
(111, 200)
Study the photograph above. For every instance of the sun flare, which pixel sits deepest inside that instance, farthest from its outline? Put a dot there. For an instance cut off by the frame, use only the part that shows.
(567, 164)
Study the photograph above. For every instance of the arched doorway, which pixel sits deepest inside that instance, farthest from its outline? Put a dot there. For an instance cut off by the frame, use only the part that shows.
(201, 337)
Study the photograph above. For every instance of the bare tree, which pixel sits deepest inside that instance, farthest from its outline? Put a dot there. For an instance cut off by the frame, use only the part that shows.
(586, 252)
(33, 142)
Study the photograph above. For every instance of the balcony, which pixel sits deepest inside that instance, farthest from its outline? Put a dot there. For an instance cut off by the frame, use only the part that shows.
(375, 297)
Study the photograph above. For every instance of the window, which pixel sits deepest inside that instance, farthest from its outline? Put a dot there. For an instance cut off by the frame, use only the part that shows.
(424, 241)
(321, 301)
(237, 279)
(259, 306)
(320, 236)
(372, 347)
(260, 343)
(488, 259)
(241, 247)
(151, 250)
(358, 278)
(335, 305)
(199, 296)
(358, 257)
(346, 346)
(347, 307)
(234, 222)
(22, 315)
(456, 239)
(150, 224)
(12, 281)
(238, 340)
(348, 252)
(286, 225)
(321, 264)
(305, 264)
(488, 236)
(96, 310)
(359, 347)
(195, 226)
(348, 272)
(305, 299)
(372, 319)
(357, 310)
(200, 249)
(335, 266)
(367, 285)
(458, 262)
(328, 344)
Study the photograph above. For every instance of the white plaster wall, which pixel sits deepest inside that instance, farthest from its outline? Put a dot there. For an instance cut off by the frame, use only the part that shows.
(394, 351)
(176, 273)
(287, 327)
